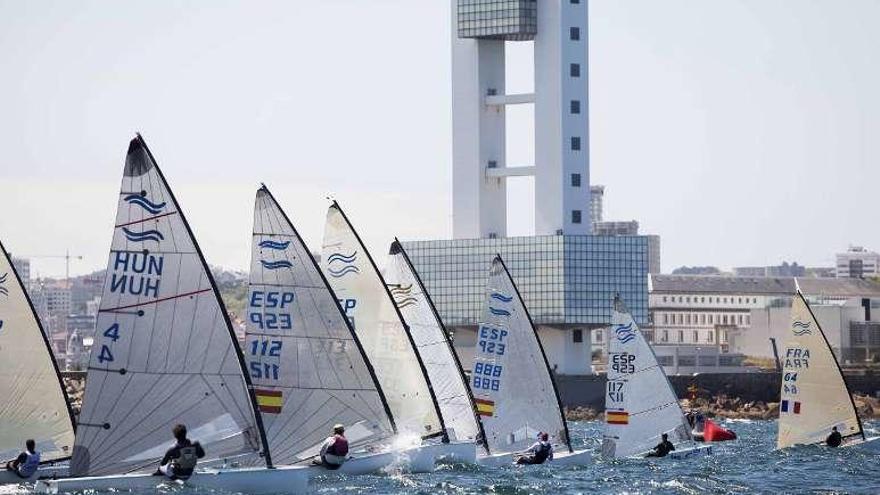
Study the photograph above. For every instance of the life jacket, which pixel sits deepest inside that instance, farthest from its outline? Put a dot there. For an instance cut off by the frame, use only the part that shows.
(186, 463)
(543, 453)
(30, 465)
(339, 447)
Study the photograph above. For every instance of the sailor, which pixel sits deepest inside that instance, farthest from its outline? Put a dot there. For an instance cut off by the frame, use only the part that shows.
(180, 461)
(834, 439)
(663, 448)
(539, 452)
(335, 448)
(27, 463)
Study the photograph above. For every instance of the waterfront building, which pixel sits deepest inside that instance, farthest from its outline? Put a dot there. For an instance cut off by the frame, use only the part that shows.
(857, 262)
(23, 267)
(704, 324)
(783, 270)
(567, 276)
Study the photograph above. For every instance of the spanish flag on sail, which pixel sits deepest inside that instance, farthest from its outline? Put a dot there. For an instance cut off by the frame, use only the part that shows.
(617, 417)
(485, 407)
(269, 401)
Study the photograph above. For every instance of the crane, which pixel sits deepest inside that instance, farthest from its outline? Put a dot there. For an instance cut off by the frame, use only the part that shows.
(67, 257)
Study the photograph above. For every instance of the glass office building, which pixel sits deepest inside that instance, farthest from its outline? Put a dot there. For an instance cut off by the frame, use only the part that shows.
(565, 280)
(513, 20)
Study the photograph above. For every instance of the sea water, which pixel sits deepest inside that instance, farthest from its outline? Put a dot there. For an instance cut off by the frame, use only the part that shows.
(749, 464)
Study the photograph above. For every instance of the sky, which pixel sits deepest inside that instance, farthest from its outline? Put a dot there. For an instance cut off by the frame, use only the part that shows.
(740, 131)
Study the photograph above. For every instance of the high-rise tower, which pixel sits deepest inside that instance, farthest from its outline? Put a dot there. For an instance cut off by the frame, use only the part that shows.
(481, 29)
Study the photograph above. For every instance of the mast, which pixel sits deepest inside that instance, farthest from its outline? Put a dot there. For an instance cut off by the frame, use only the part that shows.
(238, 353)
(837, 364)
(543, 354)
(27, 298)
(412, 343)
(397, 247)
(354, 336)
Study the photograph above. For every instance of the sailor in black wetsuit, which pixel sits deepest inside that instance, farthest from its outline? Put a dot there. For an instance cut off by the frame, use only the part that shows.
(834, 439)
(539, 452)
(663, 448)
(180, 461)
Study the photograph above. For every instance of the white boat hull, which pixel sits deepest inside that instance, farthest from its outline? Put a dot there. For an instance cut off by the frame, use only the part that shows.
(698, 451)
(564, 458)
(870, 443)
(47, 471)
(287, 479)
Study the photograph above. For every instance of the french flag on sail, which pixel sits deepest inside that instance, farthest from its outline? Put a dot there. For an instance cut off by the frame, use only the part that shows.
(790, 406)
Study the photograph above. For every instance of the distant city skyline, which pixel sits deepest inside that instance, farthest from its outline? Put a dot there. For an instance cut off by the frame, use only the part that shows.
(739, 132)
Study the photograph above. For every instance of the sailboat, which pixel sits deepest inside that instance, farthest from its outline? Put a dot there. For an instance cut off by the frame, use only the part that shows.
(450, 385)
(307, 363)
(640, 404)
(814, 394)
(513, 388)
(165, 353)
(35, 403)
(387, 342)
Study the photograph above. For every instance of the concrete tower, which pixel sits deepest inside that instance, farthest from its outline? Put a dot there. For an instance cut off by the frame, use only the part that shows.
(481, 28)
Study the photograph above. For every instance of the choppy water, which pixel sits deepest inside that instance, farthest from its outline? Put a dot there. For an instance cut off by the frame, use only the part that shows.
(747, 465)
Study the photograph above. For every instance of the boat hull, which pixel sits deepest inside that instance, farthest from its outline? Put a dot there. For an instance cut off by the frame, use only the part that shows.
(871, 444)
(698, 451)
(258, 481)
(578, 457)
(8, 477)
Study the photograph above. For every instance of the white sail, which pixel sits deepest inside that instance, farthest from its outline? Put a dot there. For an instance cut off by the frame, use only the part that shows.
(640, 404)
(34, 403)
(362, 292)
(308, 369)
(164, 350)
(511, 382)
(433, 345)
(814, 395)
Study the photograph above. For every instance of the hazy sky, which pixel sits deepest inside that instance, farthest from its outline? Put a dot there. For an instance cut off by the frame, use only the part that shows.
(743, 132)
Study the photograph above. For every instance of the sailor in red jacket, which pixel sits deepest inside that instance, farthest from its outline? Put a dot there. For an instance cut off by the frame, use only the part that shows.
(335, 449)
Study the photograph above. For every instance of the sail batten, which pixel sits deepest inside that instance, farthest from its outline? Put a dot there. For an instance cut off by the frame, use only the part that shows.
(640, 404)
(36, 402)
(307, 364)
(370, 307)
(512, 384)
(814, 395)
(164, 350)
(448, 381)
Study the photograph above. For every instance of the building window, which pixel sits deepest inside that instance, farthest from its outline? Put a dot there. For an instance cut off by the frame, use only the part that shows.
(688, 299)
(710, 320)
(574, 70)
(687, 319)
(696, 336)
(725, 319)
(664, 298)
(739, 319)
(576, 182)
(575, 216)
(578, 336)
(575, 143)
(599, 335)
(748, 320)
(681, 335)
(665, 336)
(575, 1)
(665, 319)
(574, 33)
(702, 299)
(702, 319)
(711, 336)
(575, 106)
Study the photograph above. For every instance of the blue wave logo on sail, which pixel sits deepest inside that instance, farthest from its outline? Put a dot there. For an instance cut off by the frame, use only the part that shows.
(501, 297)
(137, 199)
(801, 328)
(278, 246)
(147, 235)
(274, 265)
(402, 295)
(3, 290)
(625, 333)
(499, 312)
(345, 260)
